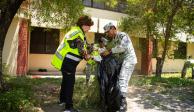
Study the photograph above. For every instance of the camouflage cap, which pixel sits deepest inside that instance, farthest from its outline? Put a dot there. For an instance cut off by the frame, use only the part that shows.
(108, 26)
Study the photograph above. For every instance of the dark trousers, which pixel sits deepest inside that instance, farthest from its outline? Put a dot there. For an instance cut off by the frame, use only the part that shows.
(68, 80)
(67, 87)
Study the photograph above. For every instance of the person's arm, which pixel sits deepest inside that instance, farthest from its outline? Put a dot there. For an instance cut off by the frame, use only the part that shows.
(80, 46)
(81, 50)
(122, 46)
(117, 49)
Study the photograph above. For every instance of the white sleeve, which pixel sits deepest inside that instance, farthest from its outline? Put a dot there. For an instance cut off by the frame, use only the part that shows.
(97, 58)
(122, 46)
(117, 49)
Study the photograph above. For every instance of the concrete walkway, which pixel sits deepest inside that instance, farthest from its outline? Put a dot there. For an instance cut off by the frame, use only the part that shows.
(141, 100)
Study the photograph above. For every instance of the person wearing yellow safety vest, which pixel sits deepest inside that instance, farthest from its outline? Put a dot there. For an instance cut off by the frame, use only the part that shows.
(68, 55)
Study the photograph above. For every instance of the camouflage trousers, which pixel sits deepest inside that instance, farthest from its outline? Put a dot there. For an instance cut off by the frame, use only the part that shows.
(124, 76)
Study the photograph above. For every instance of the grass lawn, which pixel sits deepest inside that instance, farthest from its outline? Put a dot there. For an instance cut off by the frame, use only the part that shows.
(32, 95)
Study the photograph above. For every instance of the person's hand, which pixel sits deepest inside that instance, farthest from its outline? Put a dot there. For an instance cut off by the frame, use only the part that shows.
(97, 58)
(87, 57)
(105, 53)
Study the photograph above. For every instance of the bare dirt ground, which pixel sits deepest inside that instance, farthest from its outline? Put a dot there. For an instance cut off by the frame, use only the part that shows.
(139, 99)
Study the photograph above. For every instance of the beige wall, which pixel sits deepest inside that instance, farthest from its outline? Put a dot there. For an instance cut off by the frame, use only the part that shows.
(175, 65)
(42, 61)
(11, 47)
(170, 65)
(135, 42)
(104, 14)
(190, 50)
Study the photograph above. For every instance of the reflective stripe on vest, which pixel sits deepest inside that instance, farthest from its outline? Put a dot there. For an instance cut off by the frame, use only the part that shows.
(72, 57)
(61, 46)
(74, 33)
(59, 55)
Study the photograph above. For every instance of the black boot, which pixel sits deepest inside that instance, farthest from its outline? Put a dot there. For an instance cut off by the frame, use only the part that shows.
(123, 105)
(71, 110)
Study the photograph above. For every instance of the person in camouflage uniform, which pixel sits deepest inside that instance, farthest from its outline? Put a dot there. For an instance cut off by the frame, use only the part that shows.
(120, 46)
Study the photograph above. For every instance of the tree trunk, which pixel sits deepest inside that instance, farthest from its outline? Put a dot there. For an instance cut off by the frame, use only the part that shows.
(7, 13)
(192, 72)
(146, 57)
(160, 60)
(159, 66)
(1, 74)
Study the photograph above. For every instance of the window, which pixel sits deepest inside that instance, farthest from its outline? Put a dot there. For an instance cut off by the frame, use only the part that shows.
(100, 5)
(87, 2)
(121, 6)
(44, 41)
(181, 51)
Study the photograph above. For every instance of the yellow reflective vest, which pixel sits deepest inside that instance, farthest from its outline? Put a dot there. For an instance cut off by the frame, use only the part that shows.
(64, 48)
(91, 61)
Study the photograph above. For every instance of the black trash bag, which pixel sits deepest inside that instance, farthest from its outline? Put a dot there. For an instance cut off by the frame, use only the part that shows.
(108, 80)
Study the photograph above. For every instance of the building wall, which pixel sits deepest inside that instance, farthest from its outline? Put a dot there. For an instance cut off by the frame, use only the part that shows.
(190, 50)
(11, 47)
(135, 42)
(40, 61)
(170, 65)
(104, 14)
(100, 19)
(44, 60)
(175, 65)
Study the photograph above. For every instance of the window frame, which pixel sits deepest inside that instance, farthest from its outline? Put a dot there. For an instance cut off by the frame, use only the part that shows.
(41, 42)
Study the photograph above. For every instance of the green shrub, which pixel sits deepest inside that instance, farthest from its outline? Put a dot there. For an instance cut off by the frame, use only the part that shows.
(164, 81)
(18, 98)
(15, 101)
(86, 96)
